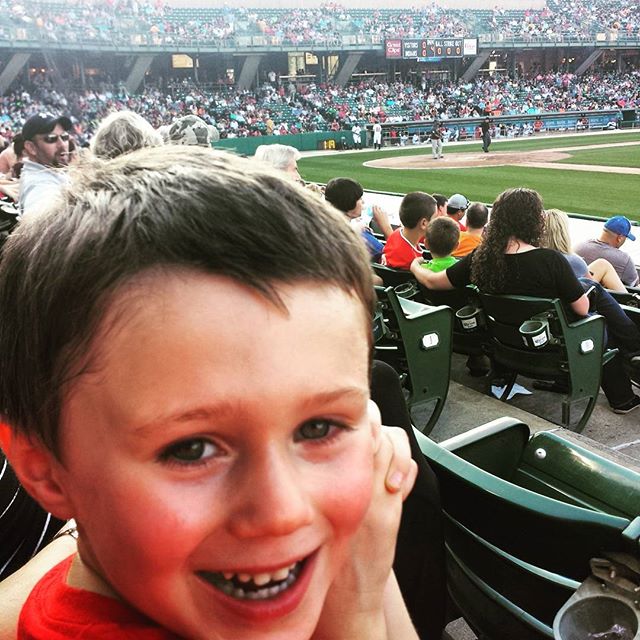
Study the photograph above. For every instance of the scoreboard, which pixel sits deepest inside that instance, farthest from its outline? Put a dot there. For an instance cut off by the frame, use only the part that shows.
(427, 49)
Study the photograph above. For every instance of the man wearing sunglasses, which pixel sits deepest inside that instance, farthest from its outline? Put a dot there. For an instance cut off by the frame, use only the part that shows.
(46, 149)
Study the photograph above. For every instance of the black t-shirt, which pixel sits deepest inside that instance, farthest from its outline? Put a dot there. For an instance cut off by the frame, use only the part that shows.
(542, 273)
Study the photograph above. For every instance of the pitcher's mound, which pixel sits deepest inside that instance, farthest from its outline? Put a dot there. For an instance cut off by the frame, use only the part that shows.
(464, 160)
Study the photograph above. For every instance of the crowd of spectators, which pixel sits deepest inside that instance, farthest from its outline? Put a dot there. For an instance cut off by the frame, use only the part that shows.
(278, 109)
(152, 22)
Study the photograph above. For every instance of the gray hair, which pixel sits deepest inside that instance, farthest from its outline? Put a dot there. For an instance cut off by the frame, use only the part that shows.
(279, 156)
(122, 132)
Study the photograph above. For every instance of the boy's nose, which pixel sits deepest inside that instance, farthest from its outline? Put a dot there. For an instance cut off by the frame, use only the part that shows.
(273, 501)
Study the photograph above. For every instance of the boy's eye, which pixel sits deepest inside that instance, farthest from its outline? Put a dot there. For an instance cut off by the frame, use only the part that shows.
(315, 430)
(188, 451)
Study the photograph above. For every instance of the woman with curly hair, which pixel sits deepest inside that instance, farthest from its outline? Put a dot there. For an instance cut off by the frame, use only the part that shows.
(510, 261)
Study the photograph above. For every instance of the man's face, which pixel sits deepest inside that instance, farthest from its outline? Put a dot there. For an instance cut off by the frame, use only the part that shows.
(49, 149)
(219, 455)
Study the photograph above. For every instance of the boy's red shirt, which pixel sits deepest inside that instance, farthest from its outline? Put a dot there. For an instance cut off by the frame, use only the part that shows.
(56, 611)
(398, 252)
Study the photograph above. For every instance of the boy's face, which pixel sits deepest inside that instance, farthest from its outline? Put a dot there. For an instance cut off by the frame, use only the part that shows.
(219, 456)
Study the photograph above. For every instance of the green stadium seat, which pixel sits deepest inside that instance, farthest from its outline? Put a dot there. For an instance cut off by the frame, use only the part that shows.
(523, 518)
(417, 343)
(532, 337)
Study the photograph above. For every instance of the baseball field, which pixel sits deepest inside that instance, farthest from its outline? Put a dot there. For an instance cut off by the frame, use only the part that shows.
(594, 174)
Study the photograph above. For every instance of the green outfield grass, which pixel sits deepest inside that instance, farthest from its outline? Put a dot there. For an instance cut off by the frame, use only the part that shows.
(613, 157)
(586, 192)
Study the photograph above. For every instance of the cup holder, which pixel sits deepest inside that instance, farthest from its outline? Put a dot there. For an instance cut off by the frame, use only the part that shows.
(597, 618)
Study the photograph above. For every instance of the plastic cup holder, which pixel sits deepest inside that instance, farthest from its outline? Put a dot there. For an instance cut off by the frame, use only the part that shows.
(469, 318)
(535, 333)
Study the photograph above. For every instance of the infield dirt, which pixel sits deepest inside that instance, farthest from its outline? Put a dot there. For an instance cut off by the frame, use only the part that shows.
(543, 158)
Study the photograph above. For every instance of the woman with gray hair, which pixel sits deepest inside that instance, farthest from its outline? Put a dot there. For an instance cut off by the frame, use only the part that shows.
(122, 132)
(281, 157)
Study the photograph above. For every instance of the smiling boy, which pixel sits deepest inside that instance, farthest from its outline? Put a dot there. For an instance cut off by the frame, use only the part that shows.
(194, 392)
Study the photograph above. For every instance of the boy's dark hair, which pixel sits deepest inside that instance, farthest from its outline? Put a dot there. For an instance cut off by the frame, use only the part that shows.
(477, 215)
(440, 199)
(343, 193)
(442, 236)
(415, 206)
(146, 212)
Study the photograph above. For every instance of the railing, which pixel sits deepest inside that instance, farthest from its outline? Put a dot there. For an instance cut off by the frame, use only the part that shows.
(34, 37)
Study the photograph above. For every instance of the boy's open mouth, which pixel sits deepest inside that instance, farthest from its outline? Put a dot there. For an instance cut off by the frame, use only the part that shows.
(259, 586)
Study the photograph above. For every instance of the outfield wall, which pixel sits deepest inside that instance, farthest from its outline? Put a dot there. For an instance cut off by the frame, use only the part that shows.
(563, 121)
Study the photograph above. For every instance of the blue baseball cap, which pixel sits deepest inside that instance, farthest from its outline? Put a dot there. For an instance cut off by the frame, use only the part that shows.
(620, 226)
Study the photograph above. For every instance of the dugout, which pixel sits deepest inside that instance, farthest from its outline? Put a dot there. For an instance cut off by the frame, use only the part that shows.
(629, 118)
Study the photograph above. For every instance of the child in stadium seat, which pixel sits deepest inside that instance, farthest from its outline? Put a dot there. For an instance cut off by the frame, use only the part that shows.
(510, 261)
(477, 216)
(192, 386)
(345, 195)
(404, 244)
(442, 238)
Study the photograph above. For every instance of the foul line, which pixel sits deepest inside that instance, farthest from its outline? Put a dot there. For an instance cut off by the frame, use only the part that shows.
(625, 445)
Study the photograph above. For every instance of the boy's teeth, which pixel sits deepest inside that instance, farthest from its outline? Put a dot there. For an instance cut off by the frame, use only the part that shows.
(257, 586)
(281, 574)
(263, 578)
(260, 579)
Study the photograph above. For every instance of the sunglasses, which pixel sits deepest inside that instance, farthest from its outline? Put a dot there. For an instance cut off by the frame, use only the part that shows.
(52, 138)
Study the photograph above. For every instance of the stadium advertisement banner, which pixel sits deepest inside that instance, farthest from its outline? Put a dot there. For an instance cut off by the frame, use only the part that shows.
(470, 47)
(431, 49)
(393, 48)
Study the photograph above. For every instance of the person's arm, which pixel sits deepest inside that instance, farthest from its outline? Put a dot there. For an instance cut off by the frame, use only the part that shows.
(15, 589)
(364, 601)
(581, 306)
(382, 220)
(570, 289)
(630, 275)
(431, 280)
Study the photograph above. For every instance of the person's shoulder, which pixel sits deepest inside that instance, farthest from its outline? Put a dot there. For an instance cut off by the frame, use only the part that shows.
(591, 242)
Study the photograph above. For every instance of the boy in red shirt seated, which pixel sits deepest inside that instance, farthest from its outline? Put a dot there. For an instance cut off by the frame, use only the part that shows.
(145, 396)
(405, 243)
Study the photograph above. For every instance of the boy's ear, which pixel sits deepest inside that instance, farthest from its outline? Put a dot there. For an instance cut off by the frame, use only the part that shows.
(38, 471)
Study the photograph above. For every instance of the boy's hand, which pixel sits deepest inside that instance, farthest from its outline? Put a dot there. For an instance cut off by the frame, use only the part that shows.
(382, 220)
(360, 600)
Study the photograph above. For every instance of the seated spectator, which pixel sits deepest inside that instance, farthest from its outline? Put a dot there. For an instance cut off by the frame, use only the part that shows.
(616, 231)
(129, 414)
(477, 216)
(346, 196)
(510, 261)
(122, 132)
(281, 156)
(405, 243)
(457, 208)
(441, 204)
(556, 236)
(46, 149)
(442, 238)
